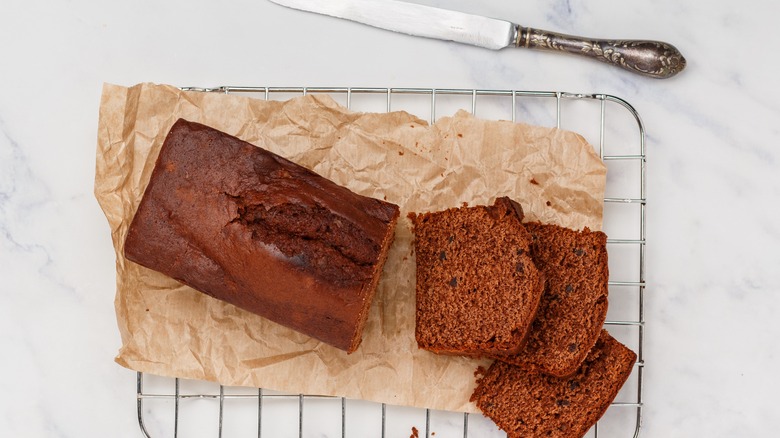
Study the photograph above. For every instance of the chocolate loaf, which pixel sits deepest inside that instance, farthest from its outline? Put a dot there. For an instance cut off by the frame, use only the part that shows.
(477, 288)
(251, 228)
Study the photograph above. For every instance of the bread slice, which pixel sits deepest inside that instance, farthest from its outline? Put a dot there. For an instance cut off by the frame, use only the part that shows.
(531, 404)
(477, 287)
(574, 305)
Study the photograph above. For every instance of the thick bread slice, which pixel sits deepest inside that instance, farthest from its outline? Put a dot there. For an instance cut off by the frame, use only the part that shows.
(574, 304)
(477, 287)
(527, 404)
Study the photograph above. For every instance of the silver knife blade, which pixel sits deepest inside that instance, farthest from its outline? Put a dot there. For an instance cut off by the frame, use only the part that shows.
(654, 59)
(417, 20)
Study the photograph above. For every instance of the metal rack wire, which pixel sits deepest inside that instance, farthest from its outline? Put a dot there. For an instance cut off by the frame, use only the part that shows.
(614, 128)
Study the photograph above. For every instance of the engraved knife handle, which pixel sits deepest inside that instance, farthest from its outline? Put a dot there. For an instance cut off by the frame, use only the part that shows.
(655, 59)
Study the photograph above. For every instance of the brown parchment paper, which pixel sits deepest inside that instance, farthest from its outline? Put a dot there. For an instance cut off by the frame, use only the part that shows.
(169, 329)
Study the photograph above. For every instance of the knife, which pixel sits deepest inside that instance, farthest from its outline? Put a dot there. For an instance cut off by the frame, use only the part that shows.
(655, 59)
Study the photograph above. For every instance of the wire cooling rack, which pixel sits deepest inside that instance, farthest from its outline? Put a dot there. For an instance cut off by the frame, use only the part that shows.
(170, 407)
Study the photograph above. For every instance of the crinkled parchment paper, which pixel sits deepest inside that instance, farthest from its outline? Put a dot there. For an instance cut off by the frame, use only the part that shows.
(169, 329)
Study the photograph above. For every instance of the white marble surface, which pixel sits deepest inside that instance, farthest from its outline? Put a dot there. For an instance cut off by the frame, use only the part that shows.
(712, 183)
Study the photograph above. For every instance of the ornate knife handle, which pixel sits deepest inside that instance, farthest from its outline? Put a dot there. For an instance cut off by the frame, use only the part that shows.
(649, 58)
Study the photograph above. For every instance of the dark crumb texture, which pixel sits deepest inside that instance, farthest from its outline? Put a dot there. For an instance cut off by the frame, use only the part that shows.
(477, 287)
(527, 404)
(251, 228)
(574, 305)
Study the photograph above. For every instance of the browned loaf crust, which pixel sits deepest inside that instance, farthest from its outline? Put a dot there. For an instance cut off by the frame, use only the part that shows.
(477, 287)
(574, 305)
(527, 404)
(249, 227)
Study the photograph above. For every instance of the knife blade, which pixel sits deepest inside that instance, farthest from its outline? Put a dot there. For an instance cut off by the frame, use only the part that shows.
(654, 59)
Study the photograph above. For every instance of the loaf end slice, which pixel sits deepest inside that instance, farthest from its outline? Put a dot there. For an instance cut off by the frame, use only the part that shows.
(527, 404)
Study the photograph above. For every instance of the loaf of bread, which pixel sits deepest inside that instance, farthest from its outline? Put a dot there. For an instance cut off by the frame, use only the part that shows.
(477, 287)
(528, 404)
(574, 304)
(251, 228)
